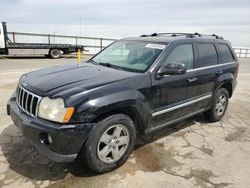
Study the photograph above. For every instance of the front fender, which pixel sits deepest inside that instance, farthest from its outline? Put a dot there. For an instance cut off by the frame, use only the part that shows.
(93, 108)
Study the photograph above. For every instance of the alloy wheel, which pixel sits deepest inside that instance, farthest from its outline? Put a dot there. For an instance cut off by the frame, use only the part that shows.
(220, 105)
(113, 143)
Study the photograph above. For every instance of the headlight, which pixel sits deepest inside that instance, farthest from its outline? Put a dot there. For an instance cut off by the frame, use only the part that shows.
(54, 110)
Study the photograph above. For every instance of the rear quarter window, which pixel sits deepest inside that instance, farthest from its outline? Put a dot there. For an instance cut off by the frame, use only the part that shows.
(225, 53)
(207, 54)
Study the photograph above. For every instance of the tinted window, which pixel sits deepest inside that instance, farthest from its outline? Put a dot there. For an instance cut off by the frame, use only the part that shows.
(207, 54)
(225, 53)
(181, 54)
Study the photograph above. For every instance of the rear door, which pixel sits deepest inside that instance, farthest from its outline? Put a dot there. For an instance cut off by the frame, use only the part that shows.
(208, 71)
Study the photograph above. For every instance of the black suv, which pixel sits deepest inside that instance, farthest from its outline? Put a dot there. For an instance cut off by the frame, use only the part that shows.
(96, 109)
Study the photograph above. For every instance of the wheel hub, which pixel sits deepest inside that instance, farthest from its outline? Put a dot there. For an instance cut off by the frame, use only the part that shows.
(220, 105)
(113, 143)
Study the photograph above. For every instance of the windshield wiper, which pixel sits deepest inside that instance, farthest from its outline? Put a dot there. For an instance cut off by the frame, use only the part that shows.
(120, 68)
(92, 61)
(106, 64)
(109, 65)
(103, 64)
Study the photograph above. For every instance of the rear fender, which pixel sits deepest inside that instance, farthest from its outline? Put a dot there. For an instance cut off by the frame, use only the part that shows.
(227, 78)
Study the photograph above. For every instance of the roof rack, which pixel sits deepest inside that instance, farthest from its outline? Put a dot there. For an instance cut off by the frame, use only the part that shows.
(186, 35)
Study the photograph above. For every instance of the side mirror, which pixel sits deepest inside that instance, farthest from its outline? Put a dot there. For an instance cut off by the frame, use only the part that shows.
(172, 69)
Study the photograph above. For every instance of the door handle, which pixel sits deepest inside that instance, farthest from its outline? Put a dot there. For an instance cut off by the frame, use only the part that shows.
(190, 80)
(218, 73)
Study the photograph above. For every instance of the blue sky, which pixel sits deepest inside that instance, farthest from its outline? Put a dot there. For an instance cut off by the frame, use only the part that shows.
(122, 18)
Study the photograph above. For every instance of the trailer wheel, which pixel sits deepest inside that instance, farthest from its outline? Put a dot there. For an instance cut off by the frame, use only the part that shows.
(54, 53)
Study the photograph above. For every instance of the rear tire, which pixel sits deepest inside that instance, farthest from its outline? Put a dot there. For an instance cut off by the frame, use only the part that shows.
(109, 144)
(55, 53)
(219, 105)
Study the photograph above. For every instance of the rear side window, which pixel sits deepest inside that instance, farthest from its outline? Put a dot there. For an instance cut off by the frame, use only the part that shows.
(225, 53)
(207, 54)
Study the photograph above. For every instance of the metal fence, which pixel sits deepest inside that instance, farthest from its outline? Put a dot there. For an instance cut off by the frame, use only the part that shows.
(242, 52)
(92, 44)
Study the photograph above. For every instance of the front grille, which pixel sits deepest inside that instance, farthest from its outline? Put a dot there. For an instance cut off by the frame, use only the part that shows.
(27, 101)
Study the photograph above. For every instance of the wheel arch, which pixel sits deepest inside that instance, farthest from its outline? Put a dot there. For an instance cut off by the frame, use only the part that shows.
(229, 87)
(130, 111)
(226, 81)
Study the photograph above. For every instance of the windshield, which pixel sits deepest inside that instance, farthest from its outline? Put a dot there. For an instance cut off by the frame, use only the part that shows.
(135, 56)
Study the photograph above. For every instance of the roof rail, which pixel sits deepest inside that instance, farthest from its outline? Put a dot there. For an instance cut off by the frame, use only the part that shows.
(187, 35)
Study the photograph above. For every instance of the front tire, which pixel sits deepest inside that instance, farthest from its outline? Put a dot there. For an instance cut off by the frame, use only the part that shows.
(110, 143)
(219, 105)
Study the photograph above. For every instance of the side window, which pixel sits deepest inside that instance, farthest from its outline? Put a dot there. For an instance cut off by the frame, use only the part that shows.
(225, 53)
(207, 54)
(181, 54)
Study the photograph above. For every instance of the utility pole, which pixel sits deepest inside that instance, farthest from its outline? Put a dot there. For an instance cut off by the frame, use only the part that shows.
(80, 26)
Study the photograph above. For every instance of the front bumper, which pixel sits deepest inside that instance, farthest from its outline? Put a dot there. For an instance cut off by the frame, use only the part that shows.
(65, 141)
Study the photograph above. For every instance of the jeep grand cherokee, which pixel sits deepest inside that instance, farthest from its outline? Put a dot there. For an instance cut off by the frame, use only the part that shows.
(135, 86)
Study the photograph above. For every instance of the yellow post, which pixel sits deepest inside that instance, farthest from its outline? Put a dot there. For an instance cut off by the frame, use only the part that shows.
(78, 55)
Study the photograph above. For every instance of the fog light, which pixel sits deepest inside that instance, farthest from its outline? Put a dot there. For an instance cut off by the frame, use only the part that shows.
(45, 138)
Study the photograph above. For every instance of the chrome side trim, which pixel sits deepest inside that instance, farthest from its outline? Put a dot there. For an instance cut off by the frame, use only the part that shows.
(181, 105)
(212, 66)
(150, 130)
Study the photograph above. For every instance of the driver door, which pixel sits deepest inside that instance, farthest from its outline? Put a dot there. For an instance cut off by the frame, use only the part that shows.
(172, 92)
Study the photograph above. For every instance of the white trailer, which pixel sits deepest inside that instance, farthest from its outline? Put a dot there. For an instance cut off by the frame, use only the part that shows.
(8, 47)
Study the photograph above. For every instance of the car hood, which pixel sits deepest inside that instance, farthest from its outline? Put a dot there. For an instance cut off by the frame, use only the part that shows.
(67, 80)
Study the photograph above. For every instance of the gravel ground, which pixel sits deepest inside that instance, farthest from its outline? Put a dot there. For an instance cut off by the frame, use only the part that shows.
(192, 153)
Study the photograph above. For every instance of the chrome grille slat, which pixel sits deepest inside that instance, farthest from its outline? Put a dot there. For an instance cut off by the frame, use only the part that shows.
(22, 100)
(19, 98)
(17, 93)
(27, 101)
(31, 104)
(36, 111)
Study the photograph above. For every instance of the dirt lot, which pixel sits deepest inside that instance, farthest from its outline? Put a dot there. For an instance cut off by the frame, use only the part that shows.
(193, 153)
